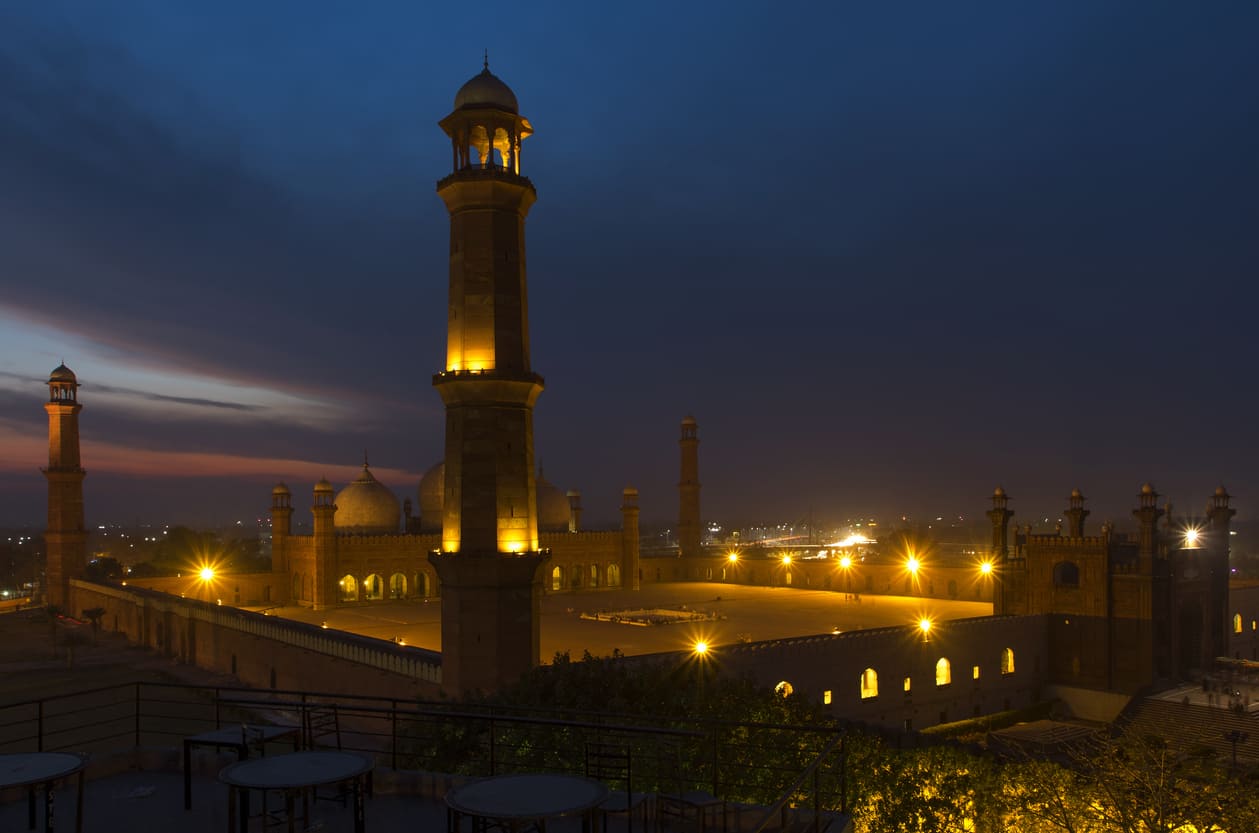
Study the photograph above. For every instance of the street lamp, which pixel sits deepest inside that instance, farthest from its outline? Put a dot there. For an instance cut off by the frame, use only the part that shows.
(207, 573)
(845, 564)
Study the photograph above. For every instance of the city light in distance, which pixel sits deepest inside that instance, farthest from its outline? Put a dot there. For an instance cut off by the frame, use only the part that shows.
(786, 560)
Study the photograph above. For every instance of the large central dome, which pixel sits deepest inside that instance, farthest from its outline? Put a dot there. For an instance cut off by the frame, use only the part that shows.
(486, 90)
(367, 507)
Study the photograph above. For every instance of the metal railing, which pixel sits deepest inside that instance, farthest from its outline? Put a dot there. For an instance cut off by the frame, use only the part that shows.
(736, 761)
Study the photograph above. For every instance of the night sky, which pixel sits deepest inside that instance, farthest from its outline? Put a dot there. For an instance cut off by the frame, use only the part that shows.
(889, 255)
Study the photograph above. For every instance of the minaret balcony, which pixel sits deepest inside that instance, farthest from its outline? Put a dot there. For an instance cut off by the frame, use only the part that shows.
(475, 173)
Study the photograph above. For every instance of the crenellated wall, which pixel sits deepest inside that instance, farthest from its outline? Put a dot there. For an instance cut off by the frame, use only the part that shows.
(262, 651)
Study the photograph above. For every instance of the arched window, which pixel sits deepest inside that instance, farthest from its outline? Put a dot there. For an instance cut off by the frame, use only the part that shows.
(788, 577)
(1007, 660)
(614, 575)
(557, 578)
(349, 588)
(783, 689)
(944, 672)
(373, 588)
(1066, 574)
(909, 684)
(1237, 623)
(869, 684)
(422, 588)
(594, 575)
(397, 586)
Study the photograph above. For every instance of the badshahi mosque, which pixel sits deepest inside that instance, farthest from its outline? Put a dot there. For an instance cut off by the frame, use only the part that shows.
(1097, 613)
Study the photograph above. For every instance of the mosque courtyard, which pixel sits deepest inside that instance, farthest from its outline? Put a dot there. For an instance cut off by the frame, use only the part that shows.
(724, 614)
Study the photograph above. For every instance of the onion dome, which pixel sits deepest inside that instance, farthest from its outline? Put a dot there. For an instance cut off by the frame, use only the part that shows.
(689, 420)
(1147, 489)
(486, 89)
(629, 490)
(1077, 493)
(280, 489)
(998, 492)
(323, 486)
(553, 507)
(367, 507)
(1220, 491)
(62, 374)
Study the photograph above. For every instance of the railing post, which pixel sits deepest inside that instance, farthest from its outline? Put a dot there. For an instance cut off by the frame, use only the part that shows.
(137, 714)
(217, 716)
(393, 731)
(817, 798)
(493, 761)
(716, 759)
(39, 728)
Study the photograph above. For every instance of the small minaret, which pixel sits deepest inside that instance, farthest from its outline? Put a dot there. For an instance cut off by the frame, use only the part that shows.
(688, 491)
(325, 541)
(1000, 516)
(1147, 514)
(574, 510)
(629, 539)
(1219, 514)
(65, 540)
(281, 528)
(490, 562)
(1075, 514)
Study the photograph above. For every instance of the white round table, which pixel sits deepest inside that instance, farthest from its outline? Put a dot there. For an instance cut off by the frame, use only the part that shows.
(36, 769)
(293, 774)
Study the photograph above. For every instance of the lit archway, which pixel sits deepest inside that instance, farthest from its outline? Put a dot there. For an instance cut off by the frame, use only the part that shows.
(614, 575)
(348, 587)
(373, 588)
(869, 684)
(944, 672)
(397, 586)
(557, 578)
(594, 575)
(1007, 660)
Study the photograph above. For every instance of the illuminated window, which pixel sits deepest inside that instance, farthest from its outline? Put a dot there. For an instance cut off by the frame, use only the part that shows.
(1237, 623)
(783, 689)
(1254, 625)
(826, 697)
(974, 672)
(908, 685)
(349, 589)
(944, 672)
(373, 588)
(1007, 661)
(594, 575)
(614, 575)
(557, 578)
(869, 684)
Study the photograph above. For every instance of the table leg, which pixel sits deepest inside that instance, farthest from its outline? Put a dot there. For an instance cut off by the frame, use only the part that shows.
(288, 811)
(78, 805)
(244, 809)
(231, 809)
(187, 775)
(359, 820)
(50, 821)
(30, 806)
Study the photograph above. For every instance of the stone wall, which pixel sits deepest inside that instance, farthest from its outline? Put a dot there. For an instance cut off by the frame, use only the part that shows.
(262, 651)
(834, 669)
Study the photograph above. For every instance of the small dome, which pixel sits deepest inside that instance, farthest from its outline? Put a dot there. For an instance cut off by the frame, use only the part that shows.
(998, 492)
(1220, 491)
(323, 486)
(629, 490)
(1147, 489)
(367, 507)
(1076, 493)
(689, 420)
(486, 90)
(280, 489)
(553, 508)
(62, 374)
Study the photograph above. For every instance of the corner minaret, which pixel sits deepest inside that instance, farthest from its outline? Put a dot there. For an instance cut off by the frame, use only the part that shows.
(489, 563)
(65, 540)
(688, 490)
(1075, 514)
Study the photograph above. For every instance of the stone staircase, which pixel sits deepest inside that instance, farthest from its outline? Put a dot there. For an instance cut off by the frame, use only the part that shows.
(1188, 726)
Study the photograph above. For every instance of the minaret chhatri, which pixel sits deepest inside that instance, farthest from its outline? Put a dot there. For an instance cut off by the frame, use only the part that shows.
(65, 540)
(688, 490)
(489, 563)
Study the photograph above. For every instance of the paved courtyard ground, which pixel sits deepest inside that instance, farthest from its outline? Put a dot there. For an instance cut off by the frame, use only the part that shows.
(750, 613)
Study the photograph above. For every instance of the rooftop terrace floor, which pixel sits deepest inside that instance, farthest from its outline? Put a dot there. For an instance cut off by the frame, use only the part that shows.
(753, 613)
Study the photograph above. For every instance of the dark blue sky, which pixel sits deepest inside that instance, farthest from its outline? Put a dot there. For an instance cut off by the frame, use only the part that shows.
(889, 255)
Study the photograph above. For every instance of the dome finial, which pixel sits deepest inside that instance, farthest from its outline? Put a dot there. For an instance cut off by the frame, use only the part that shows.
(486, 63)
(365, 458)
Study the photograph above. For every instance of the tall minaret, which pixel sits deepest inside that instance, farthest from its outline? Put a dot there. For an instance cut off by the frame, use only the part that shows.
(688, 490)
(489, 563)
(1075, 514)
(66, 540)
(1000, 515)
